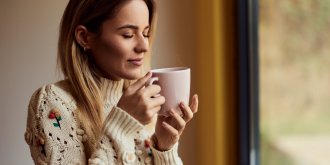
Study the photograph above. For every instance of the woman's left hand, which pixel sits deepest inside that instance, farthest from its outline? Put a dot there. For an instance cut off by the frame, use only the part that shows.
(169, 129)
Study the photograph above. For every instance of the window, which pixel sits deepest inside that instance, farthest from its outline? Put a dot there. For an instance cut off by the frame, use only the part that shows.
(294, 66)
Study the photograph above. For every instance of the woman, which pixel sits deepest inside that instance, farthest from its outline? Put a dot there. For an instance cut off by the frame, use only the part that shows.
(97, 114)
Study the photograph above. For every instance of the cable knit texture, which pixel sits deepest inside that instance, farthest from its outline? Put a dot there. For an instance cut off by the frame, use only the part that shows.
(54, 135)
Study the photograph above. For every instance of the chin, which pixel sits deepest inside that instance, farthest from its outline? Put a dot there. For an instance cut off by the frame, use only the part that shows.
(133, 75)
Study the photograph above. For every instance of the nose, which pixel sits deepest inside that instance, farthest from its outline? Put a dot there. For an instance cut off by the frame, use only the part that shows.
(142, 45)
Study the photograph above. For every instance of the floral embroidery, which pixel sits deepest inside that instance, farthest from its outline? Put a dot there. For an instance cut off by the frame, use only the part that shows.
(55, 114)
(144, 145)
(147, 144)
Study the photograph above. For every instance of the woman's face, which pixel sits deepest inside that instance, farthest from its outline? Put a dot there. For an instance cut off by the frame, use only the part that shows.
(120, 48)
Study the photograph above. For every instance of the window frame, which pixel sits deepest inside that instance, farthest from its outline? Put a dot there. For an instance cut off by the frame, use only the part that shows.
(248, 82)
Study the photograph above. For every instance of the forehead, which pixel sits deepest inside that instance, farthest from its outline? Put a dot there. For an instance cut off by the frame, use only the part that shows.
(132, 12)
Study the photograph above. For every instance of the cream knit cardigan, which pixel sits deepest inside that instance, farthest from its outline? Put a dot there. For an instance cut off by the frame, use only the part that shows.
(54, 135)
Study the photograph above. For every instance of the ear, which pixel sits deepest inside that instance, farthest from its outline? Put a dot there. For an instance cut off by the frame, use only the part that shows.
(83, 37)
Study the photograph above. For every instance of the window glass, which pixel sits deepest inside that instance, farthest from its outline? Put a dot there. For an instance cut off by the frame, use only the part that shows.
(294, 49)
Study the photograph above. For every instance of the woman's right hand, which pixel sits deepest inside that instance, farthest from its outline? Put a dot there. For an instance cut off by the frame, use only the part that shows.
(137, 100)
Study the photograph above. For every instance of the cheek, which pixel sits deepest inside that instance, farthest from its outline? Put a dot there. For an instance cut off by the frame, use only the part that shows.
(117, 48)
(111, 55)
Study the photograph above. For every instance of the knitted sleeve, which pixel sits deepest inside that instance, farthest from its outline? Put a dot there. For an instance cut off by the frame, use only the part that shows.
(121, 135)
(54, 136)
(51, 131)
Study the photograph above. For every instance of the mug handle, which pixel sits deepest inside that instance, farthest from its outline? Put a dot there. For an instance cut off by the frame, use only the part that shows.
(150, 82)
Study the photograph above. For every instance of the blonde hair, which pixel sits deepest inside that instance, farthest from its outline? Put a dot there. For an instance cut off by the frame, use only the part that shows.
(79, 68)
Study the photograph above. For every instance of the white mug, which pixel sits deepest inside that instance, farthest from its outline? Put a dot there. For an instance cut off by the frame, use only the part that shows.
(175, 87)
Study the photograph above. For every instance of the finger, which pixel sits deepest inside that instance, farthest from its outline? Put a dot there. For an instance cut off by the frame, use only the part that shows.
(140, 82)
(155, 109)
(170, 129)
(186, 111)
(194, 104)
(151, 90)
(149, 115)
(157, 101)
(177, 122)
(160, 119)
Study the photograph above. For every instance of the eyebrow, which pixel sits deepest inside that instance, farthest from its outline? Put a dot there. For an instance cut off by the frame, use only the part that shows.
(131, 27)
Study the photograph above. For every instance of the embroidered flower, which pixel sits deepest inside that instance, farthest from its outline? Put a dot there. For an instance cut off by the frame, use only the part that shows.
(147, 144)
(55, 114)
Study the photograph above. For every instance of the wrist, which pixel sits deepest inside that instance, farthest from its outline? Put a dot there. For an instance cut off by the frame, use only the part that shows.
(158, 146)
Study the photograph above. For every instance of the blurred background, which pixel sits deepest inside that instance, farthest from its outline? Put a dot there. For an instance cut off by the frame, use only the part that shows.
(294, 82)
(294, 61)
(28, 42)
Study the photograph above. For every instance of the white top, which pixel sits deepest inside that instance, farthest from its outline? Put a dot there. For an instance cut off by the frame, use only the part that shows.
(54, 135)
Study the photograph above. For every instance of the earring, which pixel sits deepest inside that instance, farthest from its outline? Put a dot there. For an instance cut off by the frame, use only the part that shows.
(83, 46)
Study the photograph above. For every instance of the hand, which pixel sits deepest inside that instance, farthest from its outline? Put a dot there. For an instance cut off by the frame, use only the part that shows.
(137, 100)
(169, 129)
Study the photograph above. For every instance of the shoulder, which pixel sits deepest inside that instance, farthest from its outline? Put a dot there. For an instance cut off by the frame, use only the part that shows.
(53, 109)
(52, 123)
(58, 94)
(54, 91)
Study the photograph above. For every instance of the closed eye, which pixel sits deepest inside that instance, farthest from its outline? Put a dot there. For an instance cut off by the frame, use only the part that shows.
(128, 35)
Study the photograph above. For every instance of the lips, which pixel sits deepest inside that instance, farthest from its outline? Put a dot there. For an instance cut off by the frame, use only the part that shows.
(137, 62)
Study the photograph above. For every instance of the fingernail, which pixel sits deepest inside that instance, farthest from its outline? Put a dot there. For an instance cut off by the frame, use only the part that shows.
(181, 104)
